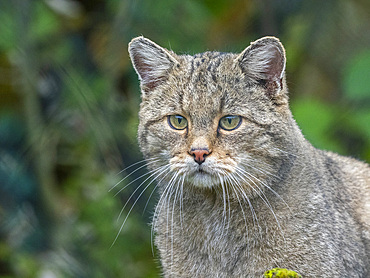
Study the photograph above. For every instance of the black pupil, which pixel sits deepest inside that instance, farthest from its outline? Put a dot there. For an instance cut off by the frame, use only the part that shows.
(179, 119)
(229, 119)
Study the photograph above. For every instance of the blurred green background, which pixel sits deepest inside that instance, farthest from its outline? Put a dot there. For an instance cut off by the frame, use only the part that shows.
(68, 113)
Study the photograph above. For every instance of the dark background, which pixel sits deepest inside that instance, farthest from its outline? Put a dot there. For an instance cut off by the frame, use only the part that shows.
(69, 99)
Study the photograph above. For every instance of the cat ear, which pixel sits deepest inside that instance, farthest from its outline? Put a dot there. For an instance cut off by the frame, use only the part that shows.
(151, 62)
(264, 61)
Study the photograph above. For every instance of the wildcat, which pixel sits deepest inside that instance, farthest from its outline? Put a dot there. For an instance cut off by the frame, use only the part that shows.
(241, 190)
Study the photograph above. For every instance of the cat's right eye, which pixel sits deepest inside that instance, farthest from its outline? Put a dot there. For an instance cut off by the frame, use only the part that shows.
(177, 122)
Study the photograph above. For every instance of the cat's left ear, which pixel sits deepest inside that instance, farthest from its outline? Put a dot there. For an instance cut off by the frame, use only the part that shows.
(264, 61)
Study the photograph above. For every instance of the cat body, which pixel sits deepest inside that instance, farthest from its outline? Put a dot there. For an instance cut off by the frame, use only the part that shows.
(241, 190)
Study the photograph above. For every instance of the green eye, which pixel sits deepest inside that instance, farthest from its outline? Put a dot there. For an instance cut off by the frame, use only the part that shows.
(230, 122)
(177, 122)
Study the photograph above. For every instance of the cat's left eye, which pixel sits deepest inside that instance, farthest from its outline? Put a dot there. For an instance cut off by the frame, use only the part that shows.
(177, 122)
(230, 122)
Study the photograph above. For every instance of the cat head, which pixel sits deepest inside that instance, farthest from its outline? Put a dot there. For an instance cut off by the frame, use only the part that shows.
(213, 117)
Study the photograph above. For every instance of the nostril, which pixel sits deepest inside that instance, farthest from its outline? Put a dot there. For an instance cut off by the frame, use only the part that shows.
(199, 155)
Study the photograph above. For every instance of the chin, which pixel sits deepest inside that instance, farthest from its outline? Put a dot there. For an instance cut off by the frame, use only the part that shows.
(203, 180)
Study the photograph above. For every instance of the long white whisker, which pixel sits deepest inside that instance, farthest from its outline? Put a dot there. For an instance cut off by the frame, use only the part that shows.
(181, 199)
(146, 204)
(224, 198)
(156, 212)
(167, 202)
(233, 187)
(242, 173)
(263, 171)
(172, 219)
(265, 185)
(228, 200)
(160, 170)
(124, 221)
(136, 163)
(133, 181)
(160, 204)
(246, 199)
(156, 186)
(114, 186)
(263, 196)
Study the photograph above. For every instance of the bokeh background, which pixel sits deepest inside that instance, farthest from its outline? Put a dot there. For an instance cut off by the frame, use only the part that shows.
(68, 114)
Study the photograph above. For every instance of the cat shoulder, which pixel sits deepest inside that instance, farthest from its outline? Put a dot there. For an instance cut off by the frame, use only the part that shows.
(355, 176)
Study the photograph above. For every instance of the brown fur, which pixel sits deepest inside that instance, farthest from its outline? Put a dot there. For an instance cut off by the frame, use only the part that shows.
(264, 196)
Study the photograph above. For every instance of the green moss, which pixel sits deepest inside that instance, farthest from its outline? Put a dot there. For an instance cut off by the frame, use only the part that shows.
(281, 273)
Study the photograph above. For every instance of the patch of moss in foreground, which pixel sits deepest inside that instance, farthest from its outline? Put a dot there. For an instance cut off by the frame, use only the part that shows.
(281, 273)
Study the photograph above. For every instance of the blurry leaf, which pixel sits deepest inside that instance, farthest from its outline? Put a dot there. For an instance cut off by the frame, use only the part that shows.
(8, 37)
(316, 120)
(357, 77)
(362, 121)
(44, 23)
(295, 40)
(362, 118)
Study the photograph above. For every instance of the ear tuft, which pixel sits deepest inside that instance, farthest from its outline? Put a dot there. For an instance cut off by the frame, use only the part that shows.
(264, 61)
(151, 62)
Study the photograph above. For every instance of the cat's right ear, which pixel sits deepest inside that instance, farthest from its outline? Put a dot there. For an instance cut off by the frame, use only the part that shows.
(151, 62)
(264, 61)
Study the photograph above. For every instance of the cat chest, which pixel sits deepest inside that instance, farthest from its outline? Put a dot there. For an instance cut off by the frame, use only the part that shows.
(227, 241)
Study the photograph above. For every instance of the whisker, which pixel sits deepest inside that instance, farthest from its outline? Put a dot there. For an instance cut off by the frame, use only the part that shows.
(137, 199)
(249, 176)
(156, 186)
(146, 204)
(233, 187)
(167, 202)
(267, 186)
(246, 199)
(136, 163)
(172, 220)
(181, 199)
(133, 181)
(264, 198)
(160, 205)
(262, 171)
(228, 200)
(224, 198)
(114, 186)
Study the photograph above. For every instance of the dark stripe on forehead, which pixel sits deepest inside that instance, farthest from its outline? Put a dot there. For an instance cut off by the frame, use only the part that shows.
(181, 98)
(222, 101)
(214, 64)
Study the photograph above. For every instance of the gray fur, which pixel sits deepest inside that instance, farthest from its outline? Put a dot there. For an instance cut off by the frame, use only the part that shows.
(264, 197)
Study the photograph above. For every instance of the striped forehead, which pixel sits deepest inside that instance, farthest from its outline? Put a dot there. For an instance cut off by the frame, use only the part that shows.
(205, 65)
(204, 95)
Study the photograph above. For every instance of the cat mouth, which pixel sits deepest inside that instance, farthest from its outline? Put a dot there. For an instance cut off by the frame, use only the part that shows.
(201, 171)
(201, 177)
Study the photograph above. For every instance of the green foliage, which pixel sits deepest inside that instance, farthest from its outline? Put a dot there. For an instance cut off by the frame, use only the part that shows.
(281, 273)
(356, 77)
(317, 119)
(68, 114)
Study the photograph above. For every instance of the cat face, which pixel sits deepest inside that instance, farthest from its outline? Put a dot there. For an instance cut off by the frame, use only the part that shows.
(213, 118)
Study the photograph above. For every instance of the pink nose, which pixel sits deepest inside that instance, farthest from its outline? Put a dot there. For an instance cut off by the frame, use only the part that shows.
(199, 155)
